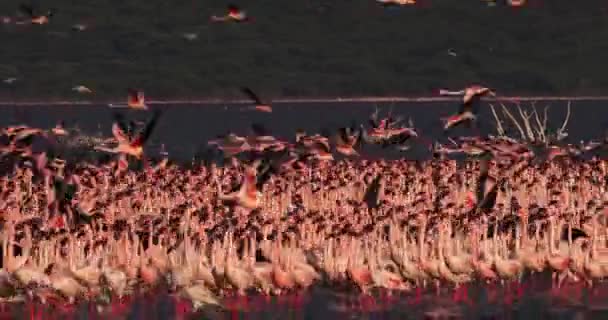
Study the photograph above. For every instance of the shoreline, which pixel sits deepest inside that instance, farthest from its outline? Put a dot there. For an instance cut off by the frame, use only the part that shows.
(212, 101)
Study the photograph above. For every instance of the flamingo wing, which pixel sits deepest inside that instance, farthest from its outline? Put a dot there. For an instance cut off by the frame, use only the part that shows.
(342, 137)
(133, 95)
(26, 9)
(322, 146)
(119, 129)
(233, 9)
(249, 93)
(147, 131)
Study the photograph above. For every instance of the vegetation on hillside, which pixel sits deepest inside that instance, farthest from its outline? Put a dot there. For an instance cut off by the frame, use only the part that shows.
(305, 48)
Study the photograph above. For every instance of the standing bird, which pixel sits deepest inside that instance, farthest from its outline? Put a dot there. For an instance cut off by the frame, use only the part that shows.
(36, 18)
(468, 109)
(135, 100)
(234, 14)
(259, 104)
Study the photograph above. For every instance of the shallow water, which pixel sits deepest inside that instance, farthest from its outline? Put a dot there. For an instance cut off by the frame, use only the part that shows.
(184, 129)
(532, 298)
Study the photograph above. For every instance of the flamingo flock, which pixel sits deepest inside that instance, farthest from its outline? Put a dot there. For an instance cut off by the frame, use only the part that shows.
(282, 216)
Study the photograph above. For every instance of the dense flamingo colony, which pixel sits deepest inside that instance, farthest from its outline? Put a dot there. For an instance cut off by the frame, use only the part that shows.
(282, 216)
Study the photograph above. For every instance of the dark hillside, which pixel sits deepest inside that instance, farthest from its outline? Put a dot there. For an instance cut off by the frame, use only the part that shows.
(306, 48)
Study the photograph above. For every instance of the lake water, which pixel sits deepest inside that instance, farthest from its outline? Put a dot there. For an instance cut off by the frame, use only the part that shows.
(184, 129)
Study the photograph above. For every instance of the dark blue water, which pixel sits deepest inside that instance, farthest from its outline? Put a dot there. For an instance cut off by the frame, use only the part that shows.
(185, 128)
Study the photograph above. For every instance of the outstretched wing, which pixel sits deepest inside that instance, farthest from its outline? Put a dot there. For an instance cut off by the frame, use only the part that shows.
(133, 95)
(147, 132)
(26, 9)
(343, 136)
(233, 8)
(321, 146)
(252, 95)
(119, 128)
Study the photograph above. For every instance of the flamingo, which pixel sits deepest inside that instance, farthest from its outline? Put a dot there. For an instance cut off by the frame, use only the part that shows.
(82, 89)
(59, 129)
(505, 268)
(135, 100)
(247, 196)
(259, 104)
(200, 295)
(359, 274)
(386, 3)
(235, 14)
(231, 144)
(468, 109)
(128, 145)
(79, 27)
(470, 94)
(38, 19)
(345, 143)
(559, 262)
(237, 276)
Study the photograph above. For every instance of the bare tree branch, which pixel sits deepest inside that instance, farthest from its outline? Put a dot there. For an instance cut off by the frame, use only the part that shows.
(561, 133)
(521, 130)
(526, 119)
(499, 128)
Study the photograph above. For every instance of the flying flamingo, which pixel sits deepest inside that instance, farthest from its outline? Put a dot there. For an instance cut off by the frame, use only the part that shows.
(135, 100)
(235, 14)
(259, 104)
(38, 19)
(468, 109)
(387, 3)
(247, 196)
(345, 143)
(131, 145)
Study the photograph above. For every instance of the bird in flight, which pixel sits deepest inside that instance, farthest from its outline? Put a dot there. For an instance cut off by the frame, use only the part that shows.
(235, 14)
(467, 113)
(387, 3)
(129, 143)
(469, 94)
(247, 196)
(259, 104)
(79, 27)
(82, 89)
(34, 18)
(135, 100)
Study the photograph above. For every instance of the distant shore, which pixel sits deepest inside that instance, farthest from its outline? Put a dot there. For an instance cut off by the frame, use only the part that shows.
(215, 101)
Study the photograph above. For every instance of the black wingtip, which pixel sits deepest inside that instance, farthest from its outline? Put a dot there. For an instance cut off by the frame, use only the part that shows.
(576, 233)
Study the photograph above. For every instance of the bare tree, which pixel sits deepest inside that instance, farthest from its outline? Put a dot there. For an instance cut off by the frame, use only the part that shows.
(531, 125)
